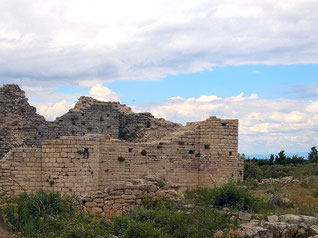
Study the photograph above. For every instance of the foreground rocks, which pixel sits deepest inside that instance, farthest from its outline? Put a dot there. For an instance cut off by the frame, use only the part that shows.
(284, 226)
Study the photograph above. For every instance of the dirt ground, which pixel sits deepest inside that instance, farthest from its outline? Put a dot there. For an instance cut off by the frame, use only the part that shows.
(4, 233)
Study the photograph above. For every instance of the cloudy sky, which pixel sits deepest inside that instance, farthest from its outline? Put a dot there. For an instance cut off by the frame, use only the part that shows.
(181, 60)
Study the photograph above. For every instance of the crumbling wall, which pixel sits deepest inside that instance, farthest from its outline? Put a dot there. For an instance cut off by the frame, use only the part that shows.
(118, 199)
(21, 126)
(202, 154)
(18, 120)
(100, 167)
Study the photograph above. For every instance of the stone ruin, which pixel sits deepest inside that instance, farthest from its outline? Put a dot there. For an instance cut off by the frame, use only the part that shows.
(109, 155)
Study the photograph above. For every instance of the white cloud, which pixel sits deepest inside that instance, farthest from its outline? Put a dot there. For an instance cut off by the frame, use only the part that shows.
(52, 110)
(103, 93)
(266, 125)
(71, 41)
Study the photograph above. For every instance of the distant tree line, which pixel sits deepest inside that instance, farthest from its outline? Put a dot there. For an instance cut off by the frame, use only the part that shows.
(280, 165)
(282, 159)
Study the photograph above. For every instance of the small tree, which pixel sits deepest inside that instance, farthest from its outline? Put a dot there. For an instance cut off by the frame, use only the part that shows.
(313, 155)
(271, 159)
(281, 158)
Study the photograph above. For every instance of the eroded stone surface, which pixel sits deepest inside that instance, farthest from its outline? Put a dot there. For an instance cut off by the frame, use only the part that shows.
(20, 125)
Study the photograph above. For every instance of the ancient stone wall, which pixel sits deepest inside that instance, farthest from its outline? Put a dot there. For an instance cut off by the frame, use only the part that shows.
(202, 154)
(21, 126)
(21, 170)
(97, 148)
(118, 199)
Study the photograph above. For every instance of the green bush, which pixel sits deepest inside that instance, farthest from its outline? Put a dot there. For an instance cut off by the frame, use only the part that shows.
(252, 171)
(30, 212)
(228, 195)
(48, 214)
(200, 222)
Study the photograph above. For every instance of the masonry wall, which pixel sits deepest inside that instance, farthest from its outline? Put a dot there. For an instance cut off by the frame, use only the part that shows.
(202, 154)
(70, 165)
(21, 170)
(21, 126)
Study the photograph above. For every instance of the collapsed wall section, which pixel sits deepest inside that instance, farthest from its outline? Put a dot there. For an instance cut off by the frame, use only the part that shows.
(202, 154)
(21, 126)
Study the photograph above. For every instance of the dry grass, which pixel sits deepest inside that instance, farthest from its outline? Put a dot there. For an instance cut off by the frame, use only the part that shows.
(303, 197)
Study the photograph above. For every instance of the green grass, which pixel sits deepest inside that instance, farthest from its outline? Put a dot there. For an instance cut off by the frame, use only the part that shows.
(48, 214)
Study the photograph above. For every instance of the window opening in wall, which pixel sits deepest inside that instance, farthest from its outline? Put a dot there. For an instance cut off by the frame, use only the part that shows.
(107, 115)
(39, 133)
(82, 114)
(224, 124)
(191, 152)
(230, 153)
(86, 153)
(130, 150)
(206, 147)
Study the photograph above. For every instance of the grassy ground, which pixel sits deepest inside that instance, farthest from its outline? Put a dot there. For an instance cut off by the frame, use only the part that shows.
(302, 197)
(197, 215)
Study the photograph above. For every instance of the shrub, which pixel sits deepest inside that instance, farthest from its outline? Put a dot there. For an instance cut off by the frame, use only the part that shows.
(200, 222)
(252, 171)
(48, 214)
(252, 183)
(229, 195)
(30, 213)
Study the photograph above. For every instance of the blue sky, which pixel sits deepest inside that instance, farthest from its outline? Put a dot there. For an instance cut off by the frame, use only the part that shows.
(268, 81)
(183, 60)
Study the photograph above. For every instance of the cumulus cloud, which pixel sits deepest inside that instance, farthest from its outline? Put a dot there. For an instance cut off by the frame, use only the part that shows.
(52, 110)
(71, 41)
(103, 93)
(266, 125)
